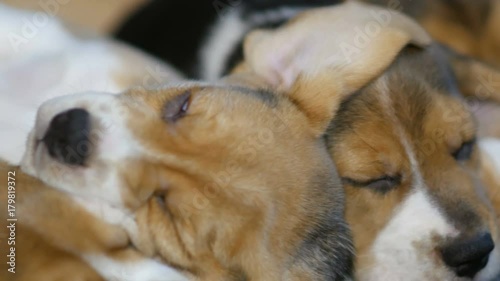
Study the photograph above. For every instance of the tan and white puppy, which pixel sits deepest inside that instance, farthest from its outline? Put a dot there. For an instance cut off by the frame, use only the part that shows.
(422, 202)
(416, 199)
(224, 181)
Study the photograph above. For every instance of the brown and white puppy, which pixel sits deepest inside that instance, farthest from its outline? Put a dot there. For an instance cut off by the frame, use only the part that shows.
(225, 181)
(214, 183)
(416, 200)
(420, 198)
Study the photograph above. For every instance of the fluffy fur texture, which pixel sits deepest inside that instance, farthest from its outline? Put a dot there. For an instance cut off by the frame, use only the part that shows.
(231, 180)
(174, 174)
(394, 143)
(191, 189)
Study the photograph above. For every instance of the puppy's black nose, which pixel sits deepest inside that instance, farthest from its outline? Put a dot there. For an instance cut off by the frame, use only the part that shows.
(67, 136)
(468, 257)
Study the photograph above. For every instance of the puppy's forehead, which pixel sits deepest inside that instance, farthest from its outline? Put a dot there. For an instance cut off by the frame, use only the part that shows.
(421, 90)
(417, 110)
(399, 113)
(159, 96)
(262, 95)
(215, 112)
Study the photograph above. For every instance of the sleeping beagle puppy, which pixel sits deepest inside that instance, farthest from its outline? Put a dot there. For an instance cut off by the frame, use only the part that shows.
(228, 180)
(408, 153)
(422, 189)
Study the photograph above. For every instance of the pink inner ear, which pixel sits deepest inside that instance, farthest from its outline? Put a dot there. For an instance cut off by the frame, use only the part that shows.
(488, 116)
(282, 71)
(278, 63)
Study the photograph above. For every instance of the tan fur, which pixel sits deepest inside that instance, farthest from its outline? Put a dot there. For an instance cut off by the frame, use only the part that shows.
(480, 83)
(477, 79)
(236, 187)
(39, 261)
(314, 50)
(480, 41)
(469, 27)
(47, 255)
(216, 228)
(217, 205)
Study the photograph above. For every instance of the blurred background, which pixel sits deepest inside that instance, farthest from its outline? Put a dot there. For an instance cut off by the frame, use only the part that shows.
(101, 16)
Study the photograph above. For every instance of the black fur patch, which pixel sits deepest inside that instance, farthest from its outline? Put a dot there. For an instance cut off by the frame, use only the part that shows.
(328, 248)
(269, 98)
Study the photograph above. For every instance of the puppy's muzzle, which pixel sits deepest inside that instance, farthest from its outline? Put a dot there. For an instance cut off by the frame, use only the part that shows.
(67, 137)
(467, 258)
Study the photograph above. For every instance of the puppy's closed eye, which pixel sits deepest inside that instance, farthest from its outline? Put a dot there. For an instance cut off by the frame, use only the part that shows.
(382, 184)
(465, 151)
(177, 107)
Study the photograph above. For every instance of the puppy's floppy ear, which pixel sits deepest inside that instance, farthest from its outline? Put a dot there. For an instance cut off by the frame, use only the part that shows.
(325, 54)
(481, 83)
